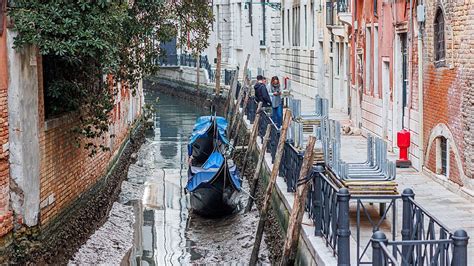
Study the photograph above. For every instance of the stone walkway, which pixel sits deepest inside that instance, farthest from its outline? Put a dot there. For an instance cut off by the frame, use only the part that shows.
(452, 209)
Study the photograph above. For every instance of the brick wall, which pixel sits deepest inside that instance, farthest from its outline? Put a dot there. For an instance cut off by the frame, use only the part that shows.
(67, 171)
(448, 91)
(5, 216)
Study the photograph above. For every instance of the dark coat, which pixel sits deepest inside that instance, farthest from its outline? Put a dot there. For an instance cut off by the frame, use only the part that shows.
(261, 94)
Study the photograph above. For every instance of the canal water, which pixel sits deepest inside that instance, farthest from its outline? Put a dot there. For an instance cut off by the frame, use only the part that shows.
(165, 232)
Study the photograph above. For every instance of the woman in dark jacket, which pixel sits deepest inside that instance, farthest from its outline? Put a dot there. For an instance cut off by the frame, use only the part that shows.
(277, 112)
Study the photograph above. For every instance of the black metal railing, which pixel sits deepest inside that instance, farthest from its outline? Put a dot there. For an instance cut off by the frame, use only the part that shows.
(187, 60)
(376, 221)
(424, 239)
(290, 170)
(449, 251)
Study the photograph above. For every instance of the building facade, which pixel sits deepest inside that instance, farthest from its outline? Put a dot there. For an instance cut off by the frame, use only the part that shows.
(246, 27)
(448, 75)
(389, 65)
(42, 171)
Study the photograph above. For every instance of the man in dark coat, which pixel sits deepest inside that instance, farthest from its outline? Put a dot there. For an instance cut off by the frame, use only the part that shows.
(261, 92)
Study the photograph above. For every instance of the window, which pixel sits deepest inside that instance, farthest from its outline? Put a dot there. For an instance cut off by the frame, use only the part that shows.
(218, 23)
(250, 17)
(288, 24)
(239, 23)
(305, 26)
(375, 7)
(442, 158)
(263, 26)
(376, 61)
(439, 42)
(313, 25)
(2, 15)
(283, 27)
(368, 58)
(336, 55)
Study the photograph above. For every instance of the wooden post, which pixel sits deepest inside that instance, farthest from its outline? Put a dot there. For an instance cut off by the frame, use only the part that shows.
(218, 69)
(240, 118)
(269, 190)
(233, 87)
(236, 109)
(294, 225)
(253, 137)
(198, 65)
(261, 156)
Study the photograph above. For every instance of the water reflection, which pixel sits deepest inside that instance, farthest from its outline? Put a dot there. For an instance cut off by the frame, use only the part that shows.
(167, 236)
(165, 214)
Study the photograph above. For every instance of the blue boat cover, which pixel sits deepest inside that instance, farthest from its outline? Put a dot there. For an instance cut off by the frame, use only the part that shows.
(215, 160)
(201, 178)
(201, 126)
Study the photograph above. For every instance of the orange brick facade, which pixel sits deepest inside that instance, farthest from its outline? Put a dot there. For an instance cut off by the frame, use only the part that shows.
(6, 217)
(448, 89)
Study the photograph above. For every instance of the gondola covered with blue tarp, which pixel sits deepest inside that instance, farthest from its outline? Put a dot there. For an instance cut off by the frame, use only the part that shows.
(213, 181)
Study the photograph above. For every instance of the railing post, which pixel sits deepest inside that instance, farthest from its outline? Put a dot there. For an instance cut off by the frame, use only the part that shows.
(407, 223)
(317, 200)
(377, 252)
(343, 229)
(460, 239)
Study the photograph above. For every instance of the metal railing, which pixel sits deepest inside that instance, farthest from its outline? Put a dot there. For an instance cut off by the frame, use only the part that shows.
(290, 169)
(189, 60)
(424, 239)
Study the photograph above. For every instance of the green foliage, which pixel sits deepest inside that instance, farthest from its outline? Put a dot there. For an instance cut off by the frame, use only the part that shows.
(85, 40)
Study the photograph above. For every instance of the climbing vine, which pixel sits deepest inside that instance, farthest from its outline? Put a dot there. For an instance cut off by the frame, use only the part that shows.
(83, 41)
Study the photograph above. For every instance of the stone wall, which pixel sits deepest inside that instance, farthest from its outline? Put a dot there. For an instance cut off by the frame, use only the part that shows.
(448, 89)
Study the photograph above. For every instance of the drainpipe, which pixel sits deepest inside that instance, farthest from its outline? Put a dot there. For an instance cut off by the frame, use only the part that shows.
(410, 60)
(420, 92)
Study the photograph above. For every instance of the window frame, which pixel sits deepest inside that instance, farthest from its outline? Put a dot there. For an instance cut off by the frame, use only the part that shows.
(439, 52)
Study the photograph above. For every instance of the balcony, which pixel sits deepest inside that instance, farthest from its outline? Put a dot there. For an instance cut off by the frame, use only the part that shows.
(338, 13)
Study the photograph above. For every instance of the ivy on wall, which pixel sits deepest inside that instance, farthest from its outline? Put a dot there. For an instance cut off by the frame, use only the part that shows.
(82, 41)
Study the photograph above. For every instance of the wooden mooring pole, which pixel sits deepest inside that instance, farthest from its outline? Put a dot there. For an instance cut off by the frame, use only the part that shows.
(269, 190)
(253, 137)
(256, 175)
(240, 118)
(230, 97)
(294, 225)
(218, 69)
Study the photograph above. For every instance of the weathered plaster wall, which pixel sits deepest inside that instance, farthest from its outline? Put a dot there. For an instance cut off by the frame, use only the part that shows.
(23, 132)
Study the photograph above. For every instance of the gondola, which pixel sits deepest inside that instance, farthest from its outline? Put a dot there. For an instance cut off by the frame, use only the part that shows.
(213, 180)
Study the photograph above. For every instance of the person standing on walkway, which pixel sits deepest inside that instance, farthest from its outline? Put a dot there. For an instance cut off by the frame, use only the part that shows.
(261, 92)
(277, 106)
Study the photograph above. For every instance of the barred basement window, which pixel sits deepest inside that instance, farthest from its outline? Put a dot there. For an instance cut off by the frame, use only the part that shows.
(444, 155)
(439, 41)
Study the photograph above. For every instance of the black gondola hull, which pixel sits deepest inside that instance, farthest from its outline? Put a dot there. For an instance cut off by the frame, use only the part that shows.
(212, 199)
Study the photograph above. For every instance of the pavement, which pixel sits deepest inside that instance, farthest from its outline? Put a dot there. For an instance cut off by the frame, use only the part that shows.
(454, 210)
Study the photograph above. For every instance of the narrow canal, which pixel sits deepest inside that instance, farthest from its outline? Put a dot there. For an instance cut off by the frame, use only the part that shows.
(165, 233)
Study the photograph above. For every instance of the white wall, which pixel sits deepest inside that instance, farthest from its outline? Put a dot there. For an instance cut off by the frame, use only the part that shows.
(23, 131)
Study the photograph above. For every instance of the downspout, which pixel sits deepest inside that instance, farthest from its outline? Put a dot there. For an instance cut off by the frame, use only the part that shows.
(420, 93)
(410, 70)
